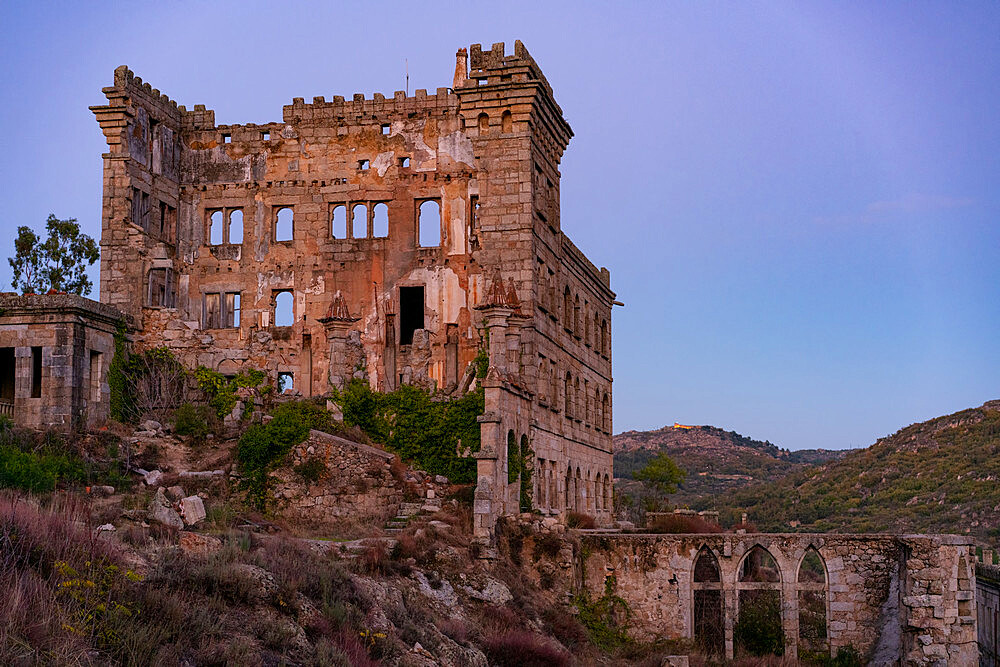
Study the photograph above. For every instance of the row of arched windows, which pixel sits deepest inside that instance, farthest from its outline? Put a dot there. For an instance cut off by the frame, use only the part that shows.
(574, 396)
(575, 315)
(506, 123)
(758, 588)
(582, 491)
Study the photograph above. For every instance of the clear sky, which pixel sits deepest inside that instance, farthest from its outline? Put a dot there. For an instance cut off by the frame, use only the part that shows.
(798, 201)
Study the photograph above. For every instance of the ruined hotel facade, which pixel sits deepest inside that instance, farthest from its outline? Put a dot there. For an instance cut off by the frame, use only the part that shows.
(376, 238)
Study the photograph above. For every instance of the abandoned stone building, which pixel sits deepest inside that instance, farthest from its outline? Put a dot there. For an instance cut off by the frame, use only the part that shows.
(377, 238)
(54, 355)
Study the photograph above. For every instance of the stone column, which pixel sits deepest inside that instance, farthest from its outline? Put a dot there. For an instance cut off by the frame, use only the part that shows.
(338, 323)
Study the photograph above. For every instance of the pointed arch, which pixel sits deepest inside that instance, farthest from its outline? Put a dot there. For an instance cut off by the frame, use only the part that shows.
(759, 629)
(707, 609)
(811, 582)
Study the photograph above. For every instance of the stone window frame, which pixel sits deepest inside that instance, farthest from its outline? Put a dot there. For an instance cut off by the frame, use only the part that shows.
(777, 586)
(274, 306)
(715, 584)
(227, 318)
(349, 206)
(276, 210)
(810, 586)
(418, 202)
(140, 208)
(170, 288)
(227, 221)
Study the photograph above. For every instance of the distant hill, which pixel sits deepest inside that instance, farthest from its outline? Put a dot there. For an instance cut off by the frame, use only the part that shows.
(715, 460)
(942, 475)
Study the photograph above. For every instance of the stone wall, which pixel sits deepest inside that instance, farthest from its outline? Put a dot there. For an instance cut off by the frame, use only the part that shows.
(988, 613)
(55, 351)
(356, 483)
(894, 599)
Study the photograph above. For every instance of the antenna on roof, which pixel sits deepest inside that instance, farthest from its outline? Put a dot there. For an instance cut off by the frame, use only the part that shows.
(407, 64)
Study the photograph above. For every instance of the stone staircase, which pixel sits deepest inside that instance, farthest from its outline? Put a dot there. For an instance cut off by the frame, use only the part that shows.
(409, 510)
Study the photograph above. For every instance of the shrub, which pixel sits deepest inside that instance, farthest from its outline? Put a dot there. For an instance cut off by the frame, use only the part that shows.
(758, 629)
(190, 420)
(682, 524)
(580, 520)
(522, 648)
(311, 470)
(37, 472)
(606, 619)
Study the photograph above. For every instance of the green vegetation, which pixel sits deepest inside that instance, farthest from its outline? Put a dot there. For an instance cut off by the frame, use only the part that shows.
(661, 473)
(936, 476)
(418, 426)
(606, 619)
(758, 630)
(222, 391)
(122, 404)
(193, 421)
(263, 447)
(59, 263)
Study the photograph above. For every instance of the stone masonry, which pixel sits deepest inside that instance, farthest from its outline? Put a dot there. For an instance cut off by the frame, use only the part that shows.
(905, 599)
(355, 238)
(55, 350)
(988, 611)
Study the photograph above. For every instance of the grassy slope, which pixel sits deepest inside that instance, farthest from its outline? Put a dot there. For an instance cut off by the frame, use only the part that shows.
(936, 476)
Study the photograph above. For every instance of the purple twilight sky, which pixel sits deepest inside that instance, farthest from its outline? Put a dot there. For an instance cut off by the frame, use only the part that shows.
(798, 201)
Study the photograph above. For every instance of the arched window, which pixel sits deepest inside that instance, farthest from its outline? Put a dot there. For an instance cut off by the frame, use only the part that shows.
(429, 224)
(577, 407)
(812, 605)
(576, 315)
(568, 397)
(527, 461)
(484, 123)
(506, 122)
(586, 327)
(215, 228)
(338, 221)
(758, 629)
(599, 408)
(608, 493)
(604, 338)
(567, 309)
(578, 489)
(606, 408)
(380, 220)
(513, 469)
(359, 221)
(284, 309)
(542, 382)
(568, 491)
(586, 401)
(236, 226)
(707, 616)
(284, 225)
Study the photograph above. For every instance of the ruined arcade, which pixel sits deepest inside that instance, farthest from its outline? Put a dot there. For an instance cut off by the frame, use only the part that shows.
(376, 238)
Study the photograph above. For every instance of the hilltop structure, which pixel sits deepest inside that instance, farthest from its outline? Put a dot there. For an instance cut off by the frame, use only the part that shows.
(378, 239)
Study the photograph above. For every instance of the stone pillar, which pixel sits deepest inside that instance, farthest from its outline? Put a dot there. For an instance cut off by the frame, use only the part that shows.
(338, 324)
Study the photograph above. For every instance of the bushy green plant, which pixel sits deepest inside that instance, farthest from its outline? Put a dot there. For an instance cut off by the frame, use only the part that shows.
(311, 470)
(758, 630)
(37, 472)
(222, 391)
(606, 619)
(262, 448)
(418, 426)
(194, 421)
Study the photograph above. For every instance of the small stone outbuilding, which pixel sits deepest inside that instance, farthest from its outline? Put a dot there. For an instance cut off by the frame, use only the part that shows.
(55, 350)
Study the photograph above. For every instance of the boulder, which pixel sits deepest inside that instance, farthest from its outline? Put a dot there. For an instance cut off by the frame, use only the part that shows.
(440, 479)
(192, 510)
(195, 544)
(162, 511)
(175, 493)
(151, 425)
(102, 490)
(106, 528)
(153, 477)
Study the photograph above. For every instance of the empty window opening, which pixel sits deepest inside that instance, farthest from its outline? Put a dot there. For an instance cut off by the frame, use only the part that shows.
(380, 220)
(411, 312)
(232, 309)
(227, 138)
(284, 309)
(404, 162)
(758, 629)
(160, 288)
(236, 226)
(95, 376)
(215, 228)
(386, 128)
(265, 136)
(363, 165)
(338, 222)
(286, 382)
(140, 208)
(484, 123)
(429, 232)
(709, 631)
(473, 213)
(506, 123)
(359, 221)
(812, 604)
(284, 225)
(8, 365)
(513, 469)
(36, 372)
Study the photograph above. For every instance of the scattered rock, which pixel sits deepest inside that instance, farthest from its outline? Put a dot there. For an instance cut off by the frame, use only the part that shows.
(202, 474)
(106, 528)
(492, 591)
(440, 479)
(162, 511)
(192, 510)
(151, 425)
(626, 525)
(439, 525)
(175, 493)
(153, 477)
(196, 544)
(430, 494)
(102, 490)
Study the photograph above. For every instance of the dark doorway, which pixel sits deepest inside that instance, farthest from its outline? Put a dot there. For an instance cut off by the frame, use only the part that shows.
(7, 365)
(411, 312)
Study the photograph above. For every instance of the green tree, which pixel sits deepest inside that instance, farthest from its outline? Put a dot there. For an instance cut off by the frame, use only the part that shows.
(661, 473)
(59, 263)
